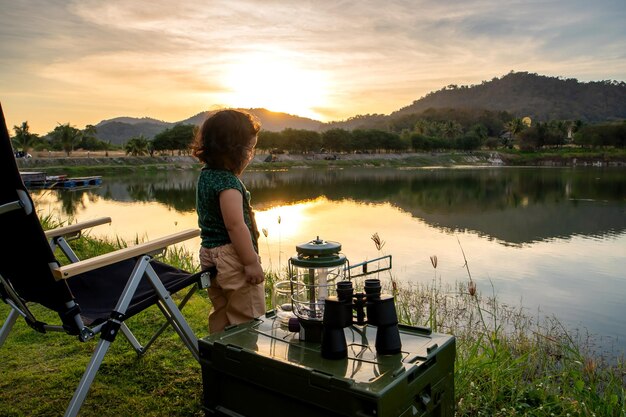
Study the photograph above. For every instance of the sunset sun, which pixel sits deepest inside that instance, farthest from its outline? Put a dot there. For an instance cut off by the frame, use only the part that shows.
(275, 83)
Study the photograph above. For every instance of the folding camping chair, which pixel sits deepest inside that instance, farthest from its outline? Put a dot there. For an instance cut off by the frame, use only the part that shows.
(92, 296)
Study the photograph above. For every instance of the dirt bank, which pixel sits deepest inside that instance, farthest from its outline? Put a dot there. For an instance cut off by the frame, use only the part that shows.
(262, 160)
(480, 158)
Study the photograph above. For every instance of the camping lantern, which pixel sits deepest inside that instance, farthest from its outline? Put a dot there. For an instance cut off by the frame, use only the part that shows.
(314, 272)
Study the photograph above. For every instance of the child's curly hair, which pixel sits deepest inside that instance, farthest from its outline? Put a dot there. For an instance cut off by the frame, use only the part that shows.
(223, 140)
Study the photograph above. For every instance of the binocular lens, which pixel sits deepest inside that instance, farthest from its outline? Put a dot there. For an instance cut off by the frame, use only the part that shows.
(372, 288)
(344, 290)
(381, 312)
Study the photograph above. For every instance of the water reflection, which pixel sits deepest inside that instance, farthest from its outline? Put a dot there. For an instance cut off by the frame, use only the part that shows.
(512, 205)
(553, 240)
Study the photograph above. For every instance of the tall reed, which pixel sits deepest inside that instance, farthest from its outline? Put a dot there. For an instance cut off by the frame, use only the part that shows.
(510, 363)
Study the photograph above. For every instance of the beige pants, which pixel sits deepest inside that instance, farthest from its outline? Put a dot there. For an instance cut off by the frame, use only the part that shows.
(234, 300)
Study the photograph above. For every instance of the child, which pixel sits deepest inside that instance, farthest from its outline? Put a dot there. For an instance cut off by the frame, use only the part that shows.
(225, 144)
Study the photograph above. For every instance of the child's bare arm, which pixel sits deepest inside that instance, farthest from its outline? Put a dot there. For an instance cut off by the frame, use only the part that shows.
(231, 204)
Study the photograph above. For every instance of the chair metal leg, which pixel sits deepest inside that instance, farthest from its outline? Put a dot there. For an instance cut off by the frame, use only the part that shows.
(141, 349)
(128, 334)
(87, 378)
(103, 345)
(132, 284)
(167, 306)
(178, 320)
(184, 301)
(65, 248)
(8, 325)
(180, 326)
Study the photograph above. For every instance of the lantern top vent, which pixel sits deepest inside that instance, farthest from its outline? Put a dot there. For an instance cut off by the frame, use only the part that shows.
(318, 253)
(318, 247)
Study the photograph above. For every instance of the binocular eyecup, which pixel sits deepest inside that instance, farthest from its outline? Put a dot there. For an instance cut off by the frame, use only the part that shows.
(338, 314)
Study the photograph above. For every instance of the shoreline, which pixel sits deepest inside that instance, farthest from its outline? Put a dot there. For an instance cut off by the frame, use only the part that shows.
(116, 161)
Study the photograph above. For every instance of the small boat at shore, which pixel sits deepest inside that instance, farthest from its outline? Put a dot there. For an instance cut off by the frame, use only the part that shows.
(41, 180)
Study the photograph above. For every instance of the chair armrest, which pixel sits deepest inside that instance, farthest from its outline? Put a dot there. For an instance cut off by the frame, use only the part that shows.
(67, 271)
(73, 228)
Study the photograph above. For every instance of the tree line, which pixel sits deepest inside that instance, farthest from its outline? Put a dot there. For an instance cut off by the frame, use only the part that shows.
(432, 130)
(68, 138)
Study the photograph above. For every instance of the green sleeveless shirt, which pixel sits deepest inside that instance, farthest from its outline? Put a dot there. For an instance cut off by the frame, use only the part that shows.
(212, 229)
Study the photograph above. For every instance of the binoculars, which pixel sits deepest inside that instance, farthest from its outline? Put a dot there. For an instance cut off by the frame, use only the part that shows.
(371, 308)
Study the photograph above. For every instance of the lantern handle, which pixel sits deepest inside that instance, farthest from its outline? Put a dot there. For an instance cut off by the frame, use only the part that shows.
(364, 267)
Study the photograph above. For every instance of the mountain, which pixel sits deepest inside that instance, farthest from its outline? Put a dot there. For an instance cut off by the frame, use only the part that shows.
(134, 121)
(119, 133)
(540, 97)
(120, 129)
(272, 121)
(366, 121)
(517, 94)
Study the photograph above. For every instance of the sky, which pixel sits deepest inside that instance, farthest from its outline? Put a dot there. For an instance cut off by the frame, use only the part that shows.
(84, 61)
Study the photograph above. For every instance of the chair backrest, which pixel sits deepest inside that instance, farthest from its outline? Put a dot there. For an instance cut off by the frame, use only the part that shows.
(26, 256)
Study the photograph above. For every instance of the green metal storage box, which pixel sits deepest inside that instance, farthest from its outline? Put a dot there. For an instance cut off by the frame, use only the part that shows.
(261, 369)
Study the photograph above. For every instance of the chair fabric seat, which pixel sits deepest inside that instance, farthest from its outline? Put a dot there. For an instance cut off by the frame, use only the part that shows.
(97, 292)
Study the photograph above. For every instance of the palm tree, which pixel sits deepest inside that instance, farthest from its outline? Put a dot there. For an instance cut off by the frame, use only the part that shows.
(68, 136)
(23, 138)
(451, 129)
(480, 131)
(137, 146)
(421, 127)
(513, 127)
(428, 127)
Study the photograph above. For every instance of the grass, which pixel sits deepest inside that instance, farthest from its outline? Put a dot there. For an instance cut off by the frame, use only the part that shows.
(563, 155)
(508, 363)
(512, 364)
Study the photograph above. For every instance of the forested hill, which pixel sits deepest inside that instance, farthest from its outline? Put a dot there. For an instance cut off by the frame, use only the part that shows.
(540, 97)
(120, 130)
(517, 94)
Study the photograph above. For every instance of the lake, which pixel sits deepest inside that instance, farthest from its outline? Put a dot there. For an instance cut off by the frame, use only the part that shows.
(552, 240)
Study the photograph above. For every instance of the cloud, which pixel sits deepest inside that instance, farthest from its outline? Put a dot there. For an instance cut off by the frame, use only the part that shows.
(376, 57)
(135, 73)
